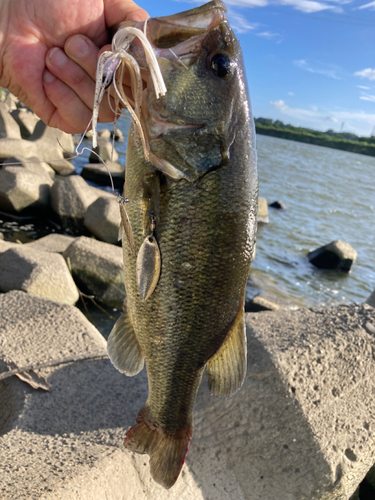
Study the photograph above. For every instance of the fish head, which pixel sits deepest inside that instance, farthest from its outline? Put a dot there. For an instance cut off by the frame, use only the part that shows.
(193, 126)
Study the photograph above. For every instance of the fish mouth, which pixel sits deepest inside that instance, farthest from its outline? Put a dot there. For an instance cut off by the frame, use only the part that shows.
(169, 31)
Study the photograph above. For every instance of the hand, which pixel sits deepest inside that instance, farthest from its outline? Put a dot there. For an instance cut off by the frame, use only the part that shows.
(33, 34)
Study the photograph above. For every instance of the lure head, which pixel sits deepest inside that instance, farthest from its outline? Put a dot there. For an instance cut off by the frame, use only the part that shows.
(193, 126)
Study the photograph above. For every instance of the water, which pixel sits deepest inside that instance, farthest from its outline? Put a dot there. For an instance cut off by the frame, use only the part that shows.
(329, 195)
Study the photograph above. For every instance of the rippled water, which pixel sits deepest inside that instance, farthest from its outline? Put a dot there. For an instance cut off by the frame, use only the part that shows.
(330, 195)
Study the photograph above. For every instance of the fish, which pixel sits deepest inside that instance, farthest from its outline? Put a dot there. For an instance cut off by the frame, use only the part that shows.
(192, 217)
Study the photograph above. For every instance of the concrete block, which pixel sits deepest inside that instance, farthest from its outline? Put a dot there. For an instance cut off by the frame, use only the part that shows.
(21, 189)
(97, 268)
(103, 219)
(52, 243)
(105, 150)
(43, 274)
(263, 211)
(9, 128)
(301, 428)
(336, 255)
(26, 120)
(97, 172)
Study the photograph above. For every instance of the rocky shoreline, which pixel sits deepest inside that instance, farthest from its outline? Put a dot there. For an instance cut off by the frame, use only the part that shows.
(301, 428)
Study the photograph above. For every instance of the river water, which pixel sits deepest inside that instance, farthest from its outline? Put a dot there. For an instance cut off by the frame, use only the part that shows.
(330, 195)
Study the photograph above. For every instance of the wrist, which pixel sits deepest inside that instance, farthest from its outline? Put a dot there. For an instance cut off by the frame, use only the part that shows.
(4, 23)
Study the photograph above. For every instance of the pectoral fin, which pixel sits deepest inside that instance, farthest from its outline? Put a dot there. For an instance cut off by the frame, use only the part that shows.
(226, 369)
(123, 348)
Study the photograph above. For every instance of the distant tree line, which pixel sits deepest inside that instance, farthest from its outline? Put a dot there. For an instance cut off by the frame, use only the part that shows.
(331, 139)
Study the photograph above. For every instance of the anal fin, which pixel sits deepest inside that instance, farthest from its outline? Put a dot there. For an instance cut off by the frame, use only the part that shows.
(226, 369)
(123, 348)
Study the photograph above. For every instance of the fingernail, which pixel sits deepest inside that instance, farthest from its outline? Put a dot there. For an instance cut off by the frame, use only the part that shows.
(48, 77)
(77, 47)
(57, 57)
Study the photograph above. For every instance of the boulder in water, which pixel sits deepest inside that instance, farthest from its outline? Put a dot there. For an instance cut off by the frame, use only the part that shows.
(336, 255)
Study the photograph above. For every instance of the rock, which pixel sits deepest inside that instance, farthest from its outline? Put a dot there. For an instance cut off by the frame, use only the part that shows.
(53, 137)
(71, 196)
(26, 120)
(62, 167)
(32, 331)
(118, 135)
(43, 274)
(103, 219)
(278, 205)
(261, 302)
(336, 255)
(21, 189)
(52, 243)
(371, 300)
(97, 268)
(11, 101)
(9, 128)
(299, 429)
(33, 165)
(98, 173)
(43, 144)
(105, 150)
(5, 245)
(105, 133)
(89, 134)
(263, 211)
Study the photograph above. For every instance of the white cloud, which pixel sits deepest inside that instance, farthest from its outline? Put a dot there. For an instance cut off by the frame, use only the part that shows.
(330, 72)
(239, 23)
(290, 93)
(370, 5)
(366, 73)
(268, 35)
(363, 87)
(359, 122)
(367, 97)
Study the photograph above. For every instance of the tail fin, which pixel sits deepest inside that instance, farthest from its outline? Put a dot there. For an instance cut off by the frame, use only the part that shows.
(167, 451)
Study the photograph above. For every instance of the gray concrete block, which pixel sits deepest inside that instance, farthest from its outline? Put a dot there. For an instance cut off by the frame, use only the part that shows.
(54, 138)
(21, 189)
(33, 165)
(103, 219)
(52, 243)
(9, 128)
(97, 172)
(26, 120)
(263, 211)
(337, 255)
(301, 428)
(71, 196)
(97, 268)
(105, 150)
(43, 274)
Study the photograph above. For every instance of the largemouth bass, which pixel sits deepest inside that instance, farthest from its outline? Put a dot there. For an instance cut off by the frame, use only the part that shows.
(190, 231)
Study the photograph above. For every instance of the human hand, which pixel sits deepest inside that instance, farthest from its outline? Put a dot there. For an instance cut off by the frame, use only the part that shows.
(34, 66)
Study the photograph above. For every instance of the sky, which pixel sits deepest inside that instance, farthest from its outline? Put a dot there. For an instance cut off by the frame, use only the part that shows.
(309, 63)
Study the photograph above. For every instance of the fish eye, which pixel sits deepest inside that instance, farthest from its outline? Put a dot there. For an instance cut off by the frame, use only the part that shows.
(221, 65)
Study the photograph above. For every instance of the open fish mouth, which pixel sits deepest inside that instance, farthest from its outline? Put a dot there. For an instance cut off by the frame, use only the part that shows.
(153, 51)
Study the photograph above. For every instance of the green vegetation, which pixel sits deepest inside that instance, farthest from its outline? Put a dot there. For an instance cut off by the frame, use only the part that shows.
(330, 139)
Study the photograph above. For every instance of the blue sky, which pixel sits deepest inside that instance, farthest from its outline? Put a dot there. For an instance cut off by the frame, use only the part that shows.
(309, 63)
